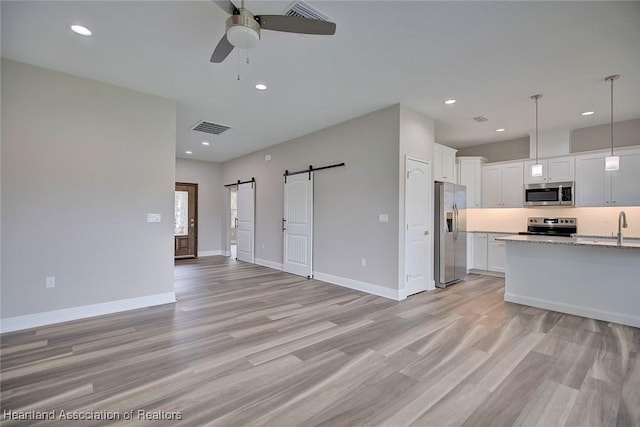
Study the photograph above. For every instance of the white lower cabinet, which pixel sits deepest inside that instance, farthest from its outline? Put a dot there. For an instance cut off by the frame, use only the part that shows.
(488, 254)
(479, 251)
(496, 253)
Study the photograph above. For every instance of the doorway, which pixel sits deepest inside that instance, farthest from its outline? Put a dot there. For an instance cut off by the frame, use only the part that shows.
(245, 225)
(233, 214)
(186, 220)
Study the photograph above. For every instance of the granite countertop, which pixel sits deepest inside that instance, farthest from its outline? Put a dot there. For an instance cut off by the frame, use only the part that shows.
(596, 241)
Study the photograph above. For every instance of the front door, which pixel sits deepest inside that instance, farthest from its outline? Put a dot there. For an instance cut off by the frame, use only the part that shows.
(186, 220)
(246, 200)
(297, 225)
(418, 219)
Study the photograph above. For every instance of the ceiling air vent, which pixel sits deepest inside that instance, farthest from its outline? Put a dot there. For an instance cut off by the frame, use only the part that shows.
(304, 10)
(480, 119)
(208, 127)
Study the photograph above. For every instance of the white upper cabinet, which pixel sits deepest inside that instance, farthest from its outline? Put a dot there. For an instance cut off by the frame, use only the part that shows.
(558, 169)
(597, 187)
(470, 175)
(444, 163)
(503, 185)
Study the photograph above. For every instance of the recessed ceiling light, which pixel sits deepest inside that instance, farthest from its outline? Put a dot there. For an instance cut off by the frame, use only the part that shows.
(450, 101)
(587, 113)
(79, 29)
(261, 86)
(206, 143)
(500, 130)
(188, 152)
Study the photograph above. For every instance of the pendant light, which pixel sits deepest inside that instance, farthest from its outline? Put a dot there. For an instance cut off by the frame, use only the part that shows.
(536, 169)
(612, 163)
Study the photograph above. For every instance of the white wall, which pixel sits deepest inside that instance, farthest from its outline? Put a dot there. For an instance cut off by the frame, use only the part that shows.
(83, 162)
(348, 199)
(417, 136)
(211, 194)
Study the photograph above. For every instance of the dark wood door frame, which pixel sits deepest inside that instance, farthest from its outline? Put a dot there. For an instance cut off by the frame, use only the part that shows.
(187, 246)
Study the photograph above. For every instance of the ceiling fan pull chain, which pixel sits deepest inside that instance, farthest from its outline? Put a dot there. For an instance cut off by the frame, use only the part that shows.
(238, 64)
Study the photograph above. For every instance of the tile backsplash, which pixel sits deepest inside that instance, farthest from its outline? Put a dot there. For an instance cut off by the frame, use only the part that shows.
(592, 221)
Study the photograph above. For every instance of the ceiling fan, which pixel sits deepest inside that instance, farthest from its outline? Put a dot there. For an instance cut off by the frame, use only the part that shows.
(243, 28)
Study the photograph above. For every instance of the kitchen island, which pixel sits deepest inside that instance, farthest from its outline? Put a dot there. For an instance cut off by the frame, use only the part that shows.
(586, 276)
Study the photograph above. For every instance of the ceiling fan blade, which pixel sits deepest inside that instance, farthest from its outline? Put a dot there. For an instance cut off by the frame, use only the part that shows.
(227, 6)
(223, 49)
(296, 24)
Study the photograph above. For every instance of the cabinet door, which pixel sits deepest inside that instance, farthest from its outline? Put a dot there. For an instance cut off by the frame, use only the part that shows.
(449, 166)
(561, 169)
(491, 187)
(512, 185)
(496, 254)
(437, 163)
(593, 185)
(444, 163)
(480, 251)
(470, 175)
(625, 183)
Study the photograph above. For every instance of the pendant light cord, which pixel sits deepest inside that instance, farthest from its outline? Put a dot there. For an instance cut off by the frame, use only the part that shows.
(611, 79)
(535, 98)
(612, 116)
(536, 130)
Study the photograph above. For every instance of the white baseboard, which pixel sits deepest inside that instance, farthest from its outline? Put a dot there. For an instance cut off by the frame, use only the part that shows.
(485, 272)
(369, 288)
(211, 253)
(18, 323)
(607, 316)
(270, 264)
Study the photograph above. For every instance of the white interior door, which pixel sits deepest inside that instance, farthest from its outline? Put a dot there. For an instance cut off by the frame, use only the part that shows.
(298, 225)
(418, 256)
(246, 222)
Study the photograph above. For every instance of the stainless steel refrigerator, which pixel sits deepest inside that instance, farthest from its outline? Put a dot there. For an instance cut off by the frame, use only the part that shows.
(451, 233)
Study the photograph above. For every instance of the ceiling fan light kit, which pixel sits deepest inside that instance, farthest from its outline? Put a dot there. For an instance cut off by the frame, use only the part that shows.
(243, 28)
(243, 31)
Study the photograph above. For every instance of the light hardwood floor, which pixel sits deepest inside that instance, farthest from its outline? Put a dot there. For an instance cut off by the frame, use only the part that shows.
(251, 346)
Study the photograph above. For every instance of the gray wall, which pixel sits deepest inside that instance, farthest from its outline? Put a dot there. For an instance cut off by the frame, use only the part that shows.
(625, 134)
(211, 193)
(347, 199)
(513, 149)
(83, 162)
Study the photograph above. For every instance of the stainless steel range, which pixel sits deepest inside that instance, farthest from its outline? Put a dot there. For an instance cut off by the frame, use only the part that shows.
(551, 226)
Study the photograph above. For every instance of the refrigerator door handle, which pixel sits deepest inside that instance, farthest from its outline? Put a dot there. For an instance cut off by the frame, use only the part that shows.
(455, 222)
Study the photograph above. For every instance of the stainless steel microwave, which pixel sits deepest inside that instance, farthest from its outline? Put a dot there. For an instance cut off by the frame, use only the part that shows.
(549, 194)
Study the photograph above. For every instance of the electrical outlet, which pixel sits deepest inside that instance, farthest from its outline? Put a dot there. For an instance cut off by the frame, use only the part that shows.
(51, 282)
(267, 157)
(383, 218)
(154, 217)
(363, 262)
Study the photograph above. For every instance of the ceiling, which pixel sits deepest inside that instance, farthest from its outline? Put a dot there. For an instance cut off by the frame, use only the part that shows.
(489, 56)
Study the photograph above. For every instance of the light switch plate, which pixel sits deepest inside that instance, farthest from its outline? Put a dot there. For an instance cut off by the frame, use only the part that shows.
(153, 217)
(383, 218)
(267, 157)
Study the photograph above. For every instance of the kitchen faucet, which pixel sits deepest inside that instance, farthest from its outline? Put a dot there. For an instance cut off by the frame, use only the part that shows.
(622, 223)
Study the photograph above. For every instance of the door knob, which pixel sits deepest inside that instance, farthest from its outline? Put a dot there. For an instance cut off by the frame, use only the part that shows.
(426, 233)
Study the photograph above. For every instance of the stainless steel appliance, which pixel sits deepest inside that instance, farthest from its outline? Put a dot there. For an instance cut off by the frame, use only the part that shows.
(451, 233)
(551, 226)
(549, 194)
